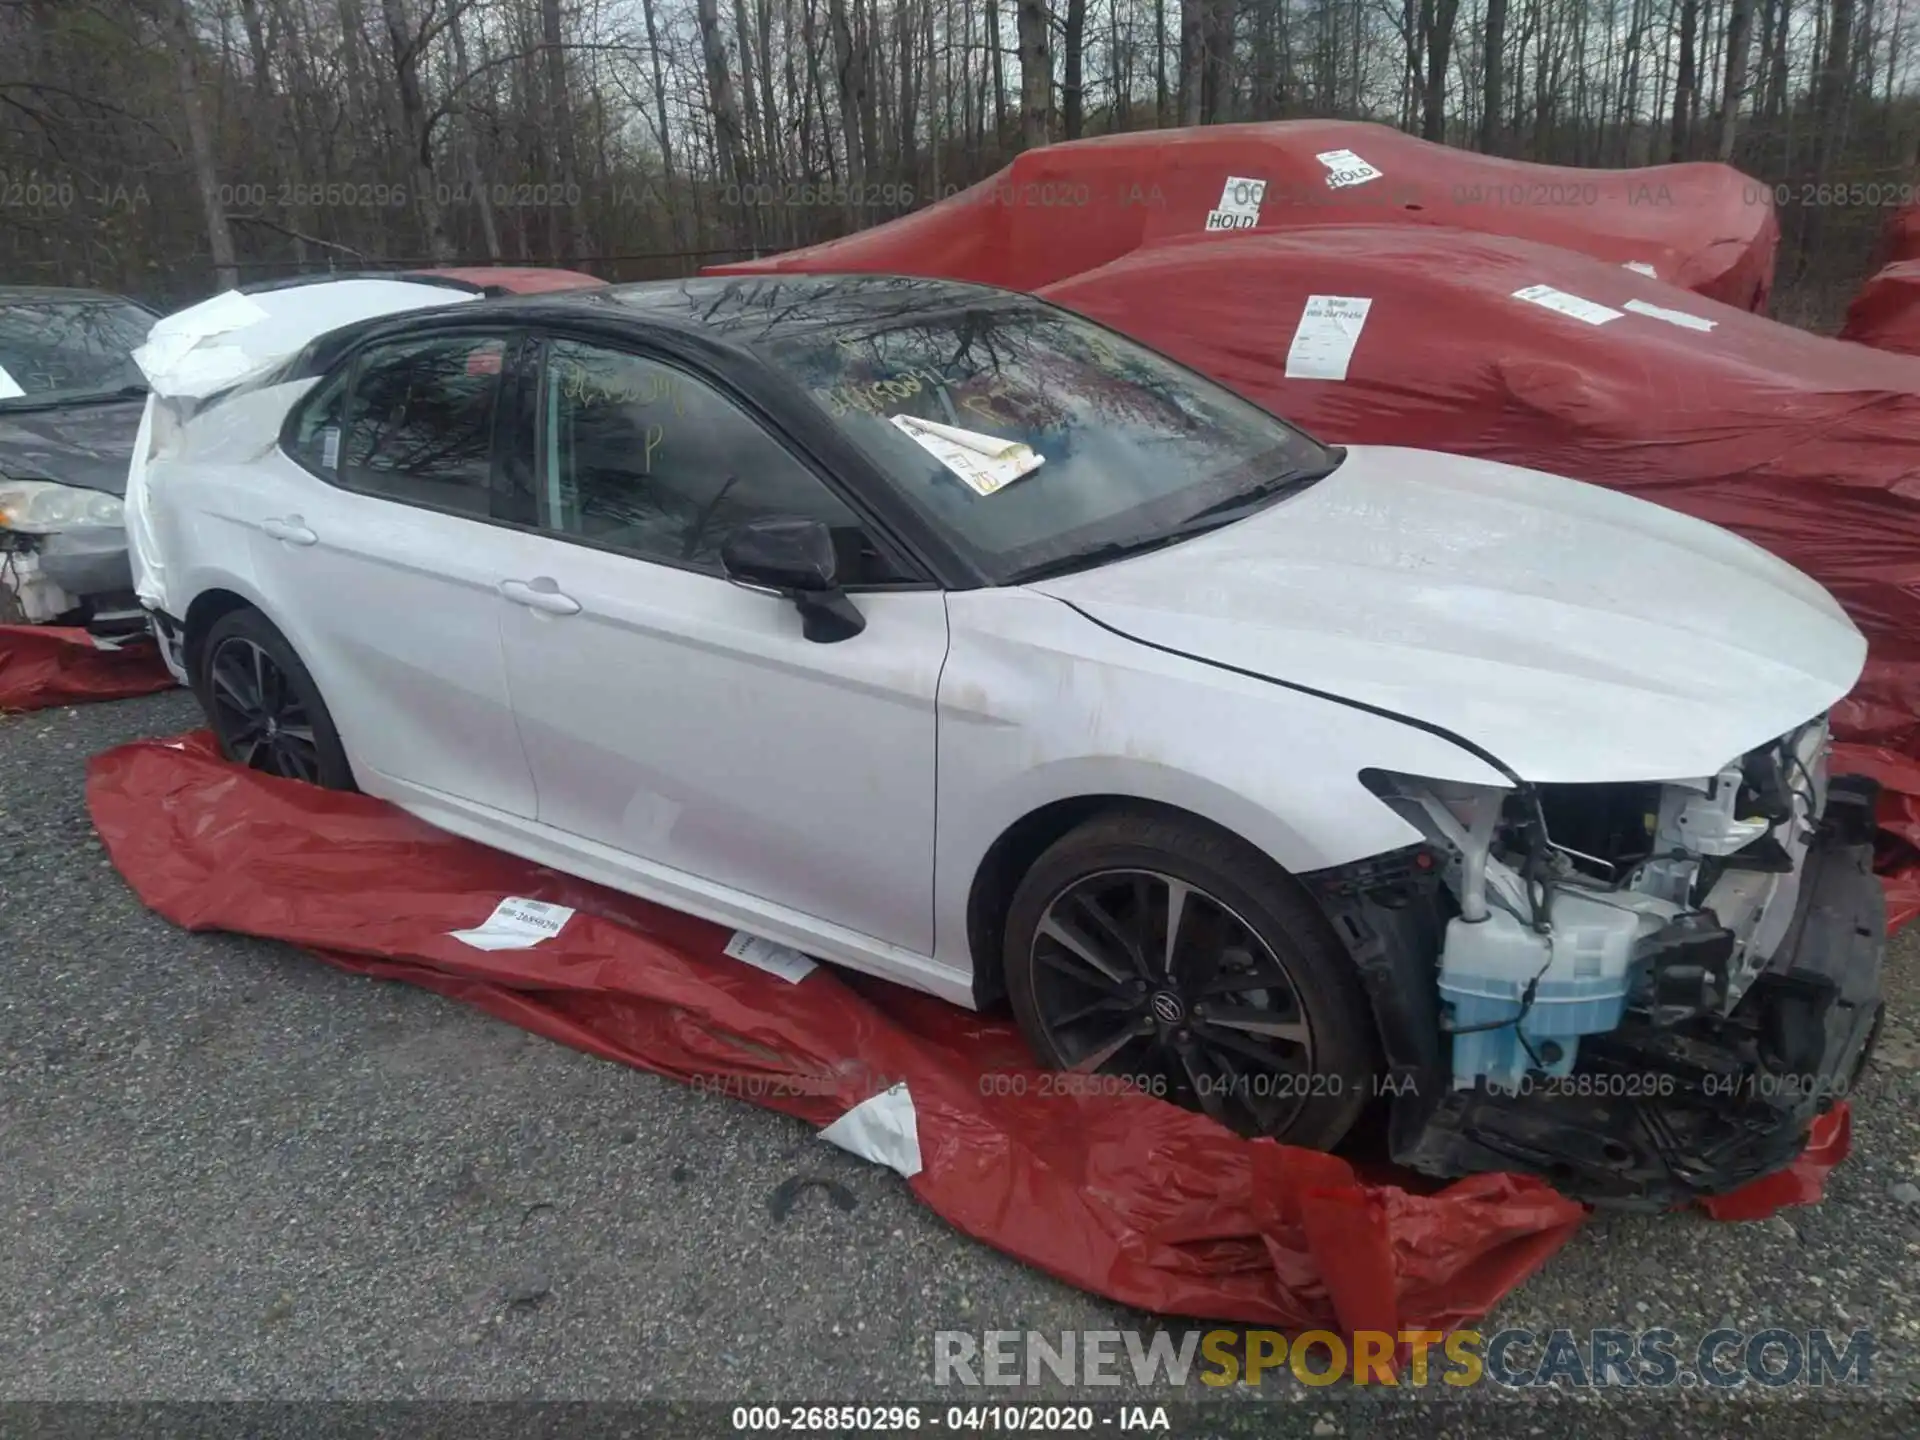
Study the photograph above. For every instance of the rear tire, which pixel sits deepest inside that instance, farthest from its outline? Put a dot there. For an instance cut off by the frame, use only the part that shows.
(1255, 1015)
(263, 706)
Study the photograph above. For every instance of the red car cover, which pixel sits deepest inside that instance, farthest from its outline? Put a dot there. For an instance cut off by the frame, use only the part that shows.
(1111, 1190)
(1886, 312)
(1525, 353)
(1902, 238)
(1064, 209)
(42, 665)
(517, 279)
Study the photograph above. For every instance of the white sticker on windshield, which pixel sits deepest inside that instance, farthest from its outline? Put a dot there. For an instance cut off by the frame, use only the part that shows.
(516, 924)
(1560, 300)
(984, 463)
(9, 387)
(1640, 267)
(330, 448)
(1323, 342)
(1345, 168)
(1672, 317)
(768, 955)
(1239, 208)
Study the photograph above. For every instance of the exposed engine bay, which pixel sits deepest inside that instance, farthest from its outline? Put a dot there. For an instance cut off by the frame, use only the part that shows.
(1641, 991)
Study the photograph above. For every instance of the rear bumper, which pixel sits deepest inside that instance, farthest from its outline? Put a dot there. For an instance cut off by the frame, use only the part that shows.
(1653, 1116)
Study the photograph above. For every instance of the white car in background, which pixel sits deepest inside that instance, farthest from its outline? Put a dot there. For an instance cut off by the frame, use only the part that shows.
(953, 638)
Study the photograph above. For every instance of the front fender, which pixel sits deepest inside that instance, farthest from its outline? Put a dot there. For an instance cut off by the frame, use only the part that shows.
(1039, 705)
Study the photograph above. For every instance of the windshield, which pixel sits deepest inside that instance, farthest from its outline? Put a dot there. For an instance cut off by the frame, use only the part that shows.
(1052, 441)
(52, 351)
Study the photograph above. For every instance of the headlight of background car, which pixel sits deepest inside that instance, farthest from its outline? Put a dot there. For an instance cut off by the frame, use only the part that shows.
(40, 507)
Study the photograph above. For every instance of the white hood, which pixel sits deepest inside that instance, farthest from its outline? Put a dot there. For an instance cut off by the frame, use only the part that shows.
(1575, 633)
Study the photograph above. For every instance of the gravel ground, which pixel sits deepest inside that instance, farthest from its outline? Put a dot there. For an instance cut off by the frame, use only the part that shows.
(230, 1172)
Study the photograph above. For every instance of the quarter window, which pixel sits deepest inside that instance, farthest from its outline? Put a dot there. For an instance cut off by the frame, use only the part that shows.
(645, 458)
(416, 423)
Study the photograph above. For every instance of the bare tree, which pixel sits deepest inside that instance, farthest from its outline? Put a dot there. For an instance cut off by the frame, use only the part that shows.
(1035, 21)
(182, 45)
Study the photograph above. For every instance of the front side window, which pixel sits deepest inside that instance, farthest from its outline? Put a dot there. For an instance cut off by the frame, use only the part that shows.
(410, 420)
(54, 351)
(645, 458)
(1039, 440)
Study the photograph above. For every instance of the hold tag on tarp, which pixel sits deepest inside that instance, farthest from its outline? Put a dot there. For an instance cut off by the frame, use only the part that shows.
(1549, 298)
(1672, 317)
(771, 956)
(1323, 341)
(1345, 168)
(516, 924)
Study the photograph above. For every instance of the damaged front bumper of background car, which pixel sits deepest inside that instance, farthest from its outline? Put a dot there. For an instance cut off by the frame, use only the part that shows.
(1644, 993)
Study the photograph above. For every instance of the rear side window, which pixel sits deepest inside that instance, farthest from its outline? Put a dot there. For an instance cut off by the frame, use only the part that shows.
(411, 421)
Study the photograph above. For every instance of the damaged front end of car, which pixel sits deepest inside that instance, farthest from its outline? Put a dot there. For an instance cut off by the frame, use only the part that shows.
(1643, 993)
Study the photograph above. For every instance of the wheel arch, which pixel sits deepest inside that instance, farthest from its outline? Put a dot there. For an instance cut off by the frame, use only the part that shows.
(1021, 843)
(207, 608)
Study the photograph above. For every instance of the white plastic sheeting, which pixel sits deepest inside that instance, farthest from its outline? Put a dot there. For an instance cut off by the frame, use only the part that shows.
(882, 1128)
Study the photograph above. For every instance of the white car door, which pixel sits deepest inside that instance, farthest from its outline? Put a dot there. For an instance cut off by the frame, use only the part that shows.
(375, 549)
(685, 720)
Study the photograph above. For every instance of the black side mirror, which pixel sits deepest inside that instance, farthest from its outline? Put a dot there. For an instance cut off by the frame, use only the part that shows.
(797, 558)
(781, 552)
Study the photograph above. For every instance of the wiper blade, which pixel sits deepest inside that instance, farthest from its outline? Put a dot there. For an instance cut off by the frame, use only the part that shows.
(1097, 555)
(1208, 517)
(1259, 497)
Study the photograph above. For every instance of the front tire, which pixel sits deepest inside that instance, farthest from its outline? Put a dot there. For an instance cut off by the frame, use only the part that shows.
(263, 706)
(1251, 1010)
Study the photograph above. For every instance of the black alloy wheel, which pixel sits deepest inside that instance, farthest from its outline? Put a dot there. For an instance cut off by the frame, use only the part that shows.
(1166, 954)
(1141, 970)
(263, 705)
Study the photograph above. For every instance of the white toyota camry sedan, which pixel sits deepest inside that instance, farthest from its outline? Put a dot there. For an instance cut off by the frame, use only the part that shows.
(945, 635)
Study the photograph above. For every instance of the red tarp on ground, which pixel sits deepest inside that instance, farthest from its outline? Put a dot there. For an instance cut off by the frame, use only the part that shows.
(42, 665)
(1886, 312)
(1118, 1193)
(1064, 209)
(1807, 446)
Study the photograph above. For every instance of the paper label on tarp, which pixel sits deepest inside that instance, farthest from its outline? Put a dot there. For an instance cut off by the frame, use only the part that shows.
(1560, 300)
(1345, 168)
(984, 463)
(9, 387)
(1672, 317)
(1239, 207)
(883, 1129)
(776, 959)
(516, 924)
(1323, 341)
(1640, 267)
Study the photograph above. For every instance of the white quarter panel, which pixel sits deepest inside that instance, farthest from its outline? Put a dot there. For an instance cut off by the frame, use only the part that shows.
(392, 608)
(1039, 704)
(686, 720)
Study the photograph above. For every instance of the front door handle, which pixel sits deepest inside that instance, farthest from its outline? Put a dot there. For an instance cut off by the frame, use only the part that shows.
(540, 593)
(293, 530)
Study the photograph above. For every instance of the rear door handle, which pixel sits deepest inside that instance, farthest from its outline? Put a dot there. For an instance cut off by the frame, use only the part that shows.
(293, 530)
(540, 593)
